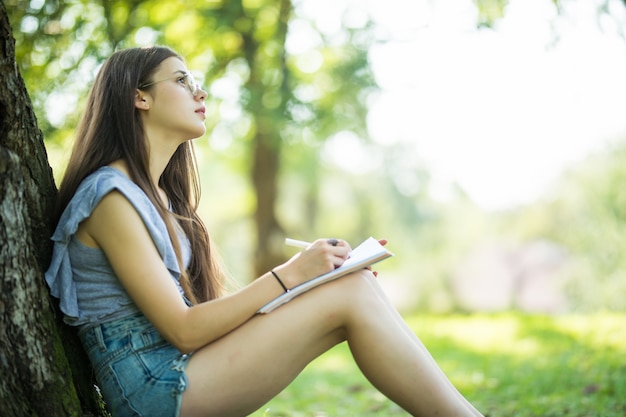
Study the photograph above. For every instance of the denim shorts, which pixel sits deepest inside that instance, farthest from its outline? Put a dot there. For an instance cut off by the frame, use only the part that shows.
(138, 372)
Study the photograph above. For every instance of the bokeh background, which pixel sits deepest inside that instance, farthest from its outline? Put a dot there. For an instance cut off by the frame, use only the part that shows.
(484, 139)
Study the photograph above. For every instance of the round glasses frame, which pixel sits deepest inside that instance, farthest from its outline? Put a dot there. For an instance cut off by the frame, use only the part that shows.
(190, 83)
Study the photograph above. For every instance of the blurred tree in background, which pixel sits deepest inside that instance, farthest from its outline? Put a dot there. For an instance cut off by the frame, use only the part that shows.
(287, 100)
(262, 98)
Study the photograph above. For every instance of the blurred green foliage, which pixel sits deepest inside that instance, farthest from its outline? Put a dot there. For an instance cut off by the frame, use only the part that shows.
(305, 98)
(263, 96)
(489, 11)
(587, 215)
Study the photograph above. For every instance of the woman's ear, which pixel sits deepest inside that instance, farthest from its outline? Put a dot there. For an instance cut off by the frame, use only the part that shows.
(141, 101)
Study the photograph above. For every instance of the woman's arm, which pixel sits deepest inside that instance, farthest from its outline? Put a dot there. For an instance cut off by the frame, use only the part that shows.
(117, 228)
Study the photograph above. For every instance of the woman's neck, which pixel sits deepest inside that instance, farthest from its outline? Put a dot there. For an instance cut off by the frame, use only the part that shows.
(155, 174)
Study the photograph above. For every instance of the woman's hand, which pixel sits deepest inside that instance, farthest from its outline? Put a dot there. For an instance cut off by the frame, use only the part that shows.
(320, 257)
(383, 242)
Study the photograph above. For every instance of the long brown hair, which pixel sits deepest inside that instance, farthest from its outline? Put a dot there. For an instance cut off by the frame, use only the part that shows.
(111, 129)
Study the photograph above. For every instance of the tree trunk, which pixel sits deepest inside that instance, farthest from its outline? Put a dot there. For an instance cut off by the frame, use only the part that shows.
(37, 379)
(267, 144)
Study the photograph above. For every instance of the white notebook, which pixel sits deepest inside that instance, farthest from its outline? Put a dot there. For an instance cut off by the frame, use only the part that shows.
(367, 253)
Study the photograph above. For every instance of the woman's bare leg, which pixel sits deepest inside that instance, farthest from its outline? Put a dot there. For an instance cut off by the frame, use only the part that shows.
(243, 370)
(400, 322)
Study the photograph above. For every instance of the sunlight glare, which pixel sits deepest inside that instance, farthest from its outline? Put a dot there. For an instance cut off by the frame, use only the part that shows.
(348, 152)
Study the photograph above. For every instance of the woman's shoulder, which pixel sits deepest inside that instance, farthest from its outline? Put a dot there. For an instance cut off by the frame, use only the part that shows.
(90, 193)
(103, 180)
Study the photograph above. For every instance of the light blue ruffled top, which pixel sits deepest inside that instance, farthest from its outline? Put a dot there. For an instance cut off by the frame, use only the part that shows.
(81, 276)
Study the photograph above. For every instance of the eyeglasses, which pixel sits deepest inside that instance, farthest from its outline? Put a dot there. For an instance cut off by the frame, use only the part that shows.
(185, 77)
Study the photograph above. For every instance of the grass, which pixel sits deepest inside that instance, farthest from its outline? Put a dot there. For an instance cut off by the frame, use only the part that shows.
(505, 364)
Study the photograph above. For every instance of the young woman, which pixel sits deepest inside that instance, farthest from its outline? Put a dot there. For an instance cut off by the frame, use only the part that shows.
(134, 270)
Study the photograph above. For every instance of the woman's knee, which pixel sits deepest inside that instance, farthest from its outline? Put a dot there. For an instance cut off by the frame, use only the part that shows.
(356, 292)
(340, 303)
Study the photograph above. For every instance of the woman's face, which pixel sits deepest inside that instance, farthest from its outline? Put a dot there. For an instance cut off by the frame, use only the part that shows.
(170, 108)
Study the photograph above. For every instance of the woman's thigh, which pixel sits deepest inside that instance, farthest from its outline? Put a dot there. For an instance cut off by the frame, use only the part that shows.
(240, 372)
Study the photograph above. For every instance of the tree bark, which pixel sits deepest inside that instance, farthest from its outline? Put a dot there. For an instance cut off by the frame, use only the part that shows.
(37, 379)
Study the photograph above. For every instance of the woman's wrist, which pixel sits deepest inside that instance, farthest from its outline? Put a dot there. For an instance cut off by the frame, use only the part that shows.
(285, 275)
(280, 281)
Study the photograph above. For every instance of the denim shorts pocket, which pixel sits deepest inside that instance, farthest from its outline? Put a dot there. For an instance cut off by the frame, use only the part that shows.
(116, 390)
(139, 373)
(150, 350)
(128, 379)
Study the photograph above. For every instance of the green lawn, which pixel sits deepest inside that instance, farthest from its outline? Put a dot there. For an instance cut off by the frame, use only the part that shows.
(506, 364)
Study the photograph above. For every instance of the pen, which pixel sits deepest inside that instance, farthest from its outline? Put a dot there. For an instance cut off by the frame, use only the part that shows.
(304, 245)
(297, 243)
